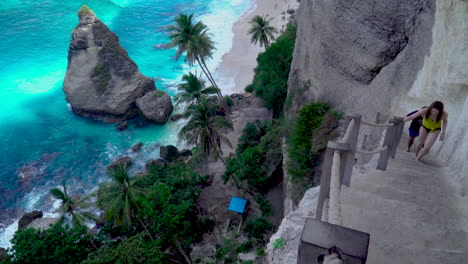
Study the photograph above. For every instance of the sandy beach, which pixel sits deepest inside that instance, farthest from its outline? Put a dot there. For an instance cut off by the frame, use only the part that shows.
(236, 69)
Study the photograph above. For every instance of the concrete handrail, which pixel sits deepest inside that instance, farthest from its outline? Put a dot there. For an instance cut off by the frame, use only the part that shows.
(375, 151)
(348, 132)
(339, 160)
(376, 125)
(334, 214)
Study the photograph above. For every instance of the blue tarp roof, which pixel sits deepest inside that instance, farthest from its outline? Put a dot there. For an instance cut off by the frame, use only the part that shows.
(237, 204)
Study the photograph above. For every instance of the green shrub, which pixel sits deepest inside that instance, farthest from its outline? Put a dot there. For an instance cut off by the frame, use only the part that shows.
(302, 159)
(251, 135)
(257, 228)
(229, 101)
(249, 88)
(271, 74)
(102, 73)
(84, 10)
(159, 93)
(245, 247)
(55, 245)
(278, 243)
(264, 205)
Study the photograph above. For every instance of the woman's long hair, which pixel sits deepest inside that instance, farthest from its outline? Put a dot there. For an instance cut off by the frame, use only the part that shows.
(437, 105)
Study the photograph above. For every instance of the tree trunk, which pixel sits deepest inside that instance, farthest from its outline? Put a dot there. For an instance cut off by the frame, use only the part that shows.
(146, 229)
(207, 72)
(181, 250)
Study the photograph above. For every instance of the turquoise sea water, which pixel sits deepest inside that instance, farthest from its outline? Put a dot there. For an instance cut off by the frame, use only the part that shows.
(38, 130)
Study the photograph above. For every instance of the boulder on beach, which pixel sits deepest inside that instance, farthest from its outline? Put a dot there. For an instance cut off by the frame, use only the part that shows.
(156, 106)
(121, 162)
(169, 153)
(27, 218)
(176, 117)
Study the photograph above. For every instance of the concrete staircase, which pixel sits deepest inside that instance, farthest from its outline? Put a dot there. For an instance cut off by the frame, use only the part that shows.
(414, 212)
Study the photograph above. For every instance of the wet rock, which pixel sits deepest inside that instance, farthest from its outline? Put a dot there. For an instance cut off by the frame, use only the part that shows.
(42, 223)
(156, 106)
(185, 153)
(50, 157)
(169, 153)
(122, 125)
(102, 81)
(28, 218)
(31, 171)
(123, 161)
(3, 254)
(176, 117)
(137, 147)
(155, 163)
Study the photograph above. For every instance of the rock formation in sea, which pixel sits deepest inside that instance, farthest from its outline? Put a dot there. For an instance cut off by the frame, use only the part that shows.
(102, 80)
(155, 106)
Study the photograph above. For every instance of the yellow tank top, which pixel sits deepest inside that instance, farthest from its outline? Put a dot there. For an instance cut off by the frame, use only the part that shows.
(431, 124)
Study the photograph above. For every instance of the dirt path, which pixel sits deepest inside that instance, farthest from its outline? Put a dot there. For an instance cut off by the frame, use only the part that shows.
(216, 197)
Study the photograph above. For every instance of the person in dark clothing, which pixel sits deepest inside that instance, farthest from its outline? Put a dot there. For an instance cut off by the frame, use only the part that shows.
(414, 128)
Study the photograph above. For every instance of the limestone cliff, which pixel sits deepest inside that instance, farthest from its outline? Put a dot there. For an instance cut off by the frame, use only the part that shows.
(101, 79)
(370, 56)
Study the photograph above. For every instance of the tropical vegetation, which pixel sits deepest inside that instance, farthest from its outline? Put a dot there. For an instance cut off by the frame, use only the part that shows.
(271, 74)
(205, 128)
(261, 30)
(72, 208)
(192, 89)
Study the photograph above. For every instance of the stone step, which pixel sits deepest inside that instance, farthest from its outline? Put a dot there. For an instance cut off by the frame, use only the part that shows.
(428, 187)
(431, 215)
(384, 252)
(405, 232)
(422, 195)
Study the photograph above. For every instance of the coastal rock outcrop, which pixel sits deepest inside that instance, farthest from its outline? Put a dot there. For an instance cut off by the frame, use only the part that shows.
(121, 162)
(28, 218)
(169, 153)
(155, 106)
(102, 80)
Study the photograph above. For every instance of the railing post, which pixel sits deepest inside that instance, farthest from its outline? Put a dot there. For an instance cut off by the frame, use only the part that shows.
(388, 141)
(349, 159)
(326, 174)
(398, 131)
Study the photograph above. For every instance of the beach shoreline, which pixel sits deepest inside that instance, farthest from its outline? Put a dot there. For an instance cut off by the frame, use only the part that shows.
(236, 69)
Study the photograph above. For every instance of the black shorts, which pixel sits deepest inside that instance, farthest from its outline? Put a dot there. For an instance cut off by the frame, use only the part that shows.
(428, 130)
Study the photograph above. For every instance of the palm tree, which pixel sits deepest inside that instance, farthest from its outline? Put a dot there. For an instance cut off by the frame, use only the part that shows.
(193, 38)
(70, 207)
(120, 197)
(192, 89)
(204, 128)
(261, 30)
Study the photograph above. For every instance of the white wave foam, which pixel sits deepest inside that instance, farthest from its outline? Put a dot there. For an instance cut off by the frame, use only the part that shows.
(220, 20)
(7, 234)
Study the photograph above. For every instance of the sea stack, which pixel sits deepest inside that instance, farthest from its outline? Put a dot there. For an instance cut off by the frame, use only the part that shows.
(102, 80)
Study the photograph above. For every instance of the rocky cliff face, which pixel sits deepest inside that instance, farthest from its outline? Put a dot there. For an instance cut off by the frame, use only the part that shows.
(370, 56)
(444, 76)
(101, 79)
(360, 54)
